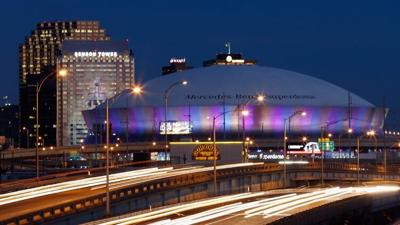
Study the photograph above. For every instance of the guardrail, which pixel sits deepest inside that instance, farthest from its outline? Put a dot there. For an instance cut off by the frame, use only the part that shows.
(65, 176)
(170, 183)
(31, 152)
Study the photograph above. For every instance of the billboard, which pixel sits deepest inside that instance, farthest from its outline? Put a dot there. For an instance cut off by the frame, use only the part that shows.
(176, 127)
(205, 152)
(304, 148)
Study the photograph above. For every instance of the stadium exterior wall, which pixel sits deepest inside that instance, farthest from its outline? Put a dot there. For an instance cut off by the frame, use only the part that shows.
(263, 120)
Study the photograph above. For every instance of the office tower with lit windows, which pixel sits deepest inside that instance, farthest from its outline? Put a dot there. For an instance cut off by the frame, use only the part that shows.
(97, 70)
(37, 59)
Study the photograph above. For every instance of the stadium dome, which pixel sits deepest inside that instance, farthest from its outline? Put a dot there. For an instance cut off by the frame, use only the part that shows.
(223, 89)
(209, 85)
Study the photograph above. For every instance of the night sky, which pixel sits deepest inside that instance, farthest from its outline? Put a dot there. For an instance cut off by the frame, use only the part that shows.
(353, 44)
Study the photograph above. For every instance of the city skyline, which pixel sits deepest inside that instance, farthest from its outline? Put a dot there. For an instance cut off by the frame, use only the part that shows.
(199, 112)
(351, 45)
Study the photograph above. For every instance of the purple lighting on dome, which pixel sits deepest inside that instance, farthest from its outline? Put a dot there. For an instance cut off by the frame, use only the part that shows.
(143, 120)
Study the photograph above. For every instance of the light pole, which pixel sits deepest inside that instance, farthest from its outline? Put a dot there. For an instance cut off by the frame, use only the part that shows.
(398, 145)
(259, 98)
(349, 132)
(61, 73)
(166, 95)
(285, 122)
(324, 128)
(27, 136)
(370, 133)
(137, 90)
(107, 161)
(215, 147)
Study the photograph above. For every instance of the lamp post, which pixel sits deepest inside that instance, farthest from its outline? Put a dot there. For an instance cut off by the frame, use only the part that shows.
(215, 148)
(27, 136)
(260, 98)
(107, 161)
(324, 128)
(396, 144)
(166, 95)
(61, 73)
(349, 132)
(370, 133)
(285, 122)
(137, 90)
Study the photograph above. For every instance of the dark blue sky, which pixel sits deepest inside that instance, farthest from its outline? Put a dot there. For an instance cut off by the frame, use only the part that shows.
(354, 44)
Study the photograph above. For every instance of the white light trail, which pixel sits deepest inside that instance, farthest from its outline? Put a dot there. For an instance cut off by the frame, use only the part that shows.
(236, 206)
(288, 162)
(117, 180)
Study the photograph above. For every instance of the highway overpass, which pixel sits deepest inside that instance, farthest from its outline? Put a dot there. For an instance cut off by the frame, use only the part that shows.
(83, 200)
(285, 206)
(48, 151)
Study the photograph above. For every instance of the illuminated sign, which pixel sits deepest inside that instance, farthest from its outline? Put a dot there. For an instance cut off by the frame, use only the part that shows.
(309, 148)
(205, 152)
(265, 156)
(95, 54)
(176, 127)
(326, 144)
(295, 147)
(262, 153)
(177, 60)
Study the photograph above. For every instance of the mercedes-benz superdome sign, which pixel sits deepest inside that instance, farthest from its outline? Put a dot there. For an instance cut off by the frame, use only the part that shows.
(176, 127)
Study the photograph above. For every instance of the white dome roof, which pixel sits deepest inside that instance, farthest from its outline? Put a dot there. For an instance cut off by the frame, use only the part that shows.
(208, 85)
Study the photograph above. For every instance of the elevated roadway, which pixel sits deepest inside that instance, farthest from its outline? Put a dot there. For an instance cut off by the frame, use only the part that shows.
(246, 208)
(342, 143)
(88, 149)
(82, 200)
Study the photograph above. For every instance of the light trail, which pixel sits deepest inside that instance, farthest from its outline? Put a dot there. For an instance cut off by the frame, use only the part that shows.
(181, 208)
(288, 162)
(118, 180)
(240, 206)
(74, 185)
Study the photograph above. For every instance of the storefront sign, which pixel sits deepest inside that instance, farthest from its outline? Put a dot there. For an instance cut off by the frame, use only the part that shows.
(205, 152)
(265, 156)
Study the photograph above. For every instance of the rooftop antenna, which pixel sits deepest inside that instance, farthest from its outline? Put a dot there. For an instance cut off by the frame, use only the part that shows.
(350, 102)
(228, 45)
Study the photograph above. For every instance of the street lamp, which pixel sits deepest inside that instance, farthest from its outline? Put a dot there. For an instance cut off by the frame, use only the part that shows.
(137, 90)
(61, 73)
(27, 136)
(324, 128)
(394, 145)
(348, 132)
(215, 147)
(285, 122)
(166, 95)
(259, 98)
(370, 133)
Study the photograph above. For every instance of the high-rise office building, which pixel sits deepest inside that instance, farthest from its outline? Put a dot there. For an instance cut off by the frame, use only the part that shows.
(37, 59)
(9, 119)
(97, 70)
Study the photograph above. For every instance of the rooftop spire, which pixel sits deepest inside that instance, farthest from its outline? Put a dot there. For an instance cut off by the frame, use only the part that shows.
(228, 45)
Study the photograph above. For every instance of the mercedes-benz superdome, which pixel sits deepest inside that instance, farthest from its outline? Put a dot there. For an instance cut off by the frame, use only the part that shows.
(222, 90)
